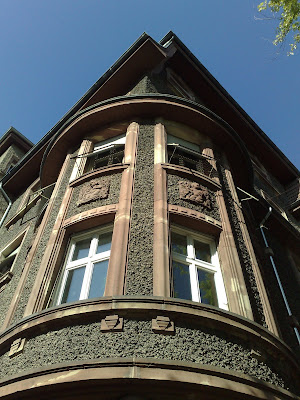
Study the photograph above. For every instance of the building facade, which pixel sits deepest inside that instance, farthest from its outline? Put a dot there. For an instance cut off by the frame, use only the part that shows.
(149, 244)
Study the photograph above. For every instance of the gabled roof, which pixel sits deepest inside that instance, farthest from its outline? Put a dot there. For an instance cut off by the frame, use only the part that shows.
(13, 136)
(141, 58)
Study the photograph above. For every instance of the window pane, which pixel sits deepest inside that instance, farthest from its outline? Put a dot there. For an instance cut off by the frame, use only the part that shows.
(104, 242)
(81, 249)
(73, 285)
(202, 251)
(179, 244)
(207, 287)
(181, 277)
(101, 159)
(98, 279)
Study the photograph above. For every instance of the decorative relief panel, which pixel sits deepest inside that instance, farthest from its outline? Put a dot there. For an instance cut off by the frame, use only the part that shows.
(195, 193)
(94, 190)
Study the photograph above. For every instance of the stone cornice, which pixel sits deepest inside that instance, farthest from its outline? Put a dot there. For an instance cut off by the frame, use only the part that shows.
(85, 311)
(169, 375)
(147, 106)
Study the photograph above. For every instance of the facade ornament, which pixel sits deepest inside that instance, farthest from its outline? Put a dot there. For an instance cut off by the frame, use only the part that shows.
(163, 324)
(16, 347)
(195, 193)
(94, 190)
(112, 323)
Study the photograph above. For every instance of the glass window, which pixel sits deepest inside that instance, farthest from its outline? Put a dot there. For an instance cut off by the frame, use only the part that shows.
(107, 152)
(195, 268)
(84, 274)
(7, 261)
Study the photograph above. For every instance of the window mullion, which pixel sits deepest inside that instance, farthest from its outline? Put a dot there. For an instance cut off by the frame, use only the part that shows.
(190, 247)
(194, 282)
(86, 281)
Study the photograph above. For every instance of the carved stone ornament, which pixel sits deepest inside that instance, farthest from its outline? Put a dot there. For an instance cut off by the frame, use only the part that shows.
(163, 324)
(16, 347)
(112, 323)
(194, 192)
(93, 190)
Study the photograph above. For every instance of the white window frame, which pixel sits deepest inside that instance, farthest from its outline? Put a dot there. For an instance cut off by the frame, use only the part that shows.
(109, 143)
(87, 262)
(100, 147)
(193, 263)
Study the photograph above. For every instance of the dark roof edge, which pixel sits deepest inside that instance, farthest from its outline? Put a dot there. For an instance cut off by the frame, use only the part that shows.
(172, 38)
(14, 130)
(78, 104)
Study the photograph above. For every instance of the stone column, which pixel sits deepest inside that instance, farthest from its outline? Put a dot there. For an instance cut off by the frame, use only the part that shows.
(161, 272)
(266, 307)
(119, 246)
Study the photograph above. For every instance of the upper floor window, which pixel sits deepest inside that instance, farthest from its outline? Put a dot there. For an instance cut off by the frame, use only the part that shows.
(107, 152)
(85, 269)
(7, 259)
(195, 267)
(188, 155)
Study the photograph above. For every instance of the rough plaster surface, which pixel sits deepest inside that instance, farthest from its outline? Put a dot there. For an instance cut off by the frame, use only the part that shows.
(84, 342)
(151, 83)
(244, 256)
(6, 237)
(7, 294)
(3, 205)
(139, 277)
(112, 198)
(41, 247)
(157, 83)
(174, 198)
(13, 153)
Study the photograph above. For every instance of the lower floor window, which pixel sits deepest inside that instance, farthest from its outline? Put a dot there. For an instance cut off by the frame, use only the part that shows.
(195, 268)
(85, 269)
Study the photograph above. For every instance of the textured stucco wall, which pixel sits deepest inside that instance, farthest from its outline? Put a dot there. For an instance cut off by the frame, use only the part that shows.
(173, 198)
(6, 237)
(198, 345)
(151, 83)
(3, 205)
(13, 153)
(244, 256)
(113, 195)
(36, 262)
(139, 276)
(7, 294)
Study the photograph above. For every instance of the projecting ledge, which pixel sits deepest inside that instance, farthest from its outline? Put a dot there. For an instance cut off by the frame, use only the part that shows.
(193, 315)
(119, 376)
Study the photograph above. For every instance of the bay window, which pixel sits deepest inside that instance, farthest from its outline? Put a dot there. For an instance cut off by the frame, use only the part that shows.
(195, 268)
(85, 269)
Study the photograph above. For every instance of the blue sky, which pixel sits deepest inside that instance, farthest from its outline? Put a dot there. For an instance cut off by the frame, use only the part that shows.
(52, 51)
